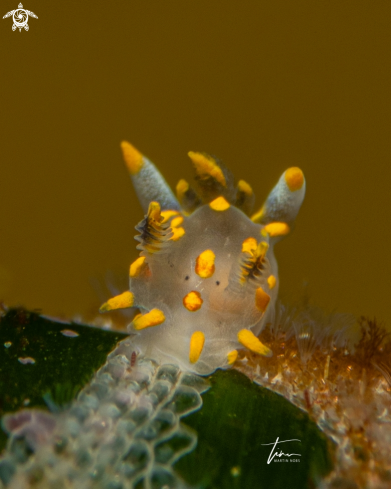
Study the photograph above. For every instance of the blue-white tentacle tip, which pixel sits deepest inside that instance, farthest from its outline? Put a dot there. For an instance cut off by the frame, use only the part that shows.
(283, 203)
(147, 180)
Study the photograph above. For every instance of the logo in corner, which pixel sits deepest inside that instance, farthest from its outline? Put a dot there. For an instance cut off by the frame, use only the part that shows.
(20, 17)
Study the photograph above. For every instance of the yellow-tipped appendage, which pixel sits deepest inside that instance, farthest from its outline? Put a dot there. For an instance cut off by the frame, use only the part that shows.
(197, 341)
(151, 318)
(248, 339)
(207, 166)
(121, 301)
(133, 158)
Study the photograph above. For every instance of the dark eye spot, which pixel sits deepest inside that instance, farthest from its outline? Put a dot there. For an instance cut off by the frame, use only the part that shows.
(217, 283)
(187, 277)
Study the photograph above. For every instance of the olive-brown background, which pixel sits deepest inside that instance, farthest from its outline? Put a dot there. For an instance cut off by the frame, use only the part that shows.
(262, 84)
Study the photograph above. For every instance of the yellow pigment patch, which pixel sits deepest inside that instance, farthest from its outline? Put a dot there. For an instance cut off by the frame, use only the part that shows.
(178, 233)
(294, 178)
(249, 245)
(207, 166)
(166, 215)
(137, 266)
(197, 341)
(219, 204)
(232, 356)
(261, 299)
(151, 318)
(271, 281)
(257, 217)
(133, 158)
(177, 221)
(192, 301)
(245, 187)
(277, 229)
(126, 299)
(154, 212)
(181, 188)
(205, 264)
(248, 339)
(263, 232)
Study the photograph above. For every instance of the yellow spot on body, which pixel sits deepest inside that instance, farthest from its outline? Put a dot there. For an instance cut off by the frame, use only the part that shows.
(166, 215)
(126, 299)
(245, 187)
(248, 339)
(207, 166)
(271, 281)
(263, 232)
(133, 158)
(232, 356)
(197, 341)
(261, 299)
(277, 229)
(181, 188)
(257, 217)
(178, 233)
(151, 318)
(177, 221)
(219, 204)
(192, 301)
(137, 266)
(249, 245)
(294, 178)
(205, 264)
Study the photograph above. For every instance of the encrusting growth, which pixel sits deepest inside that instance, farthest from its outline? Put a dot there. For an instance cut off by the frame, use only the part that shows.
(204, 264)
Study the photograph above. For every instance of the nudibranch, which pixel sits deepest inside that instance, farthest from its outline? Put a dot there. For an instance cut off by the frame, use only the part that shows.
(206, 280)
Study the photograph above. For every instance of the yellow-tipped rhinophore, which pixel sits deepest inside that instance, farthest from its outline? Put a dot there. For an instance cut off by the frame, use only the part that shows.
(121, 301)
(232, 356)
(137, 267)
(206, 166)
(248, 339)
(205, 264)
(294, 178)
(197, 341)
(277, 229)
(271, 281)
(193, 301)
(245, 188)
(151, 318)
(133, 158)
(261, 299)
(181, 188)
(219, 204)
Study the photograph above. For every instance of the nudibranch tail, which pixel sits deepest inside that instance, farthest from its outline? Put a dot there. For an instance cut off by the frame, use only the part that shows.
(206, 279)
(147, 180)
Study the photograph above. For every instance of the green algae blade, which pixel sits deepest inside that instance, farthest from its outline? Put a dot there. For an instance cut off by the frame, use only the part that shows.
(237, 419)
(47, 362)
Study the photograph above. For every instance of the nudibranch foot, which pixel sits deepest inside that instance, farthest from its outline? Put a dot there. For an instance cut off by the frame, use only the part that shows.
(206, 280)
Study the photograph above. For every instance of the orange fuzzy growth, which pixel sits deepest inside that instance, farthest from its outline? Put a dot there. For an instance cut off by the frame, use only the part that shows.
(133, 158)
(205, 264)
(219, 204)
(261, 299)
(197, 341)
(192, 301)
(126, 299)
(294, 178)
(152, 318)
(206, 166)
(277, 229)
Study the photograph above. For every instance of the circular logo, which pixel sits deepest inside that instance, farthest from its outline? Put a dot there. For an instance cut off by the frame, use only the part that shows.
(20, 18)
